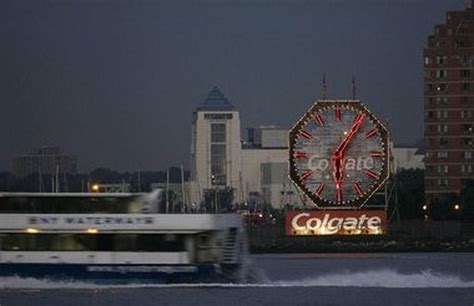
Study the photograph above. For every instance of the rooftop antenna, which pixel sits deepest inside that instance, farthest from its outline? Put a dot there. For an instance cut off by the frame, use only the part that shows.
(324, 87)
(354, 89)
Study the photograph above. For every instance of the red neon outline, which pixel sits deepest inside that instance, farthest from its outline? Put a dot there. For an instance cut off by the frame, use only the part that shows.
(320, 189)
(376, 154)
(372, 174)
(319, 120)
(305, 134)
(305, 175)
(300, 154)
(357, 188)
(338, 113)
(371, 133)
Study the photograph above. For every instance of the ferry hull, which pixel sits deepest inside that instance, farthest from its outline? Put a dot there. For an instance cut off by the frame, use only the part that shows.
(120, 273)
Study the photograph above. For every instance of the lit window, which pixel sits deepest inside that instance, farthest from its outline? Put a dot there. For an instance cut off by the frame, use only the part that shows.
(440, 60)
(442, 154)
(441, 74)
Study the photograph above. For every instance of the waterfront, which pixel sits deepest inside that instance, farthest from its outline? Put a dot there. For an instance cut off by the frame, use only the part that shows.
(296, 279)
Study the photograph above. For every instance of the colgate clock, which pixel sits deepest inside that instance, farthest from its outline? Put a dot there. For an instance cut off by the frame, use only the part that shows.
(339, 154)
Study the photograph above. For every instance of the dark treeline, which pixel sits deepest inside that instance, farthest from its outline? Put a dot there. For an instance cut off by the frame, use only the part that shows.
(138, 181)
(413, 205)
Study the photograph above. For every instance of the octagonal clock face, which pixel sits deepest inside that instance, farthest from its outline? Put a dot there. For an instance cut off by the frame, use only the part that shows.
(338, 154)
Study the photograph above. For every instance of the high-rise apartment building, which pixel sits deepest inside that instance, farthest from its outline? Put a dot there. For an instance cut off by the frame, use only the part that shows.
(449, 106)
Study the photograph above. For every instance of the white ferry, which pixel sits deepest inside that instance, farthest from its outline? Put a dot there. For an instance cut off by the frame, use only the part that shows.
(116, 238)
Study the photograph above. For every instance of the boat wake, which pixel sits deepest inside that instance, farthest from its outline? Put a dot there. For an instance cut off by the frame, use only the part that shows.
(376, 278)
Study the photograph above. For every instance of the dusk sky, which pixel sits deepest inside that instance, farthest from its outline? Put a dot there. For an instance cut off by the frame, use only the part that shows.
(115, 82)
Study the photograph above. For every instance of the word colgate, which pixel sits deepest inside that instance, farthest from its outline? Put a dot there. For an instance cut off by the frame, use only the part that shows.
(304, 222)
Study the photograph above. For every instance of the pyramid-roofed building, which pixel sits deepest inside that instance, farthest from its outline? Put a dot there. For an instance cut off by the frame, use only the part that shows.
(216, 101)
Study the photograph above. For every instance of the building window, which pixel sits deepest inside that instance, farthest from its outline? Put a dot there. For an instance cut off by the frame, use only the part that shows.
(441, 100)
(441, 74)
(465, 60)
(467, 155)
(465, 114)
(217, 116)
(218, 154)
(443, 182)
(442, 114)
(465, 73)
(218, 132)
(443, 142)
(218, 164)
(427, 61)
(440, 60)
(442, 128)
(466, 168)
(466, 141)
(442, 154)
(465, 87)
(442, 168)
(467, 128)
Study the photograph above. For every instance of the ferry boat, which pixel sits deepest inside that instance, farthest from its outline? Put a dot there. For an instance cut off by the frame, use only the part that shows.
(116, 238)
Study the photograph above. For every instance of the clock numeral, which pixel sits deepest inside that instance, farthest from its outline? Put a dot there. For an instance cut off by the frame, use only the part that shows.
(319, 189)
(357, 188)
(372, 174)
(338, 114)
(319, 120)
(376, 154)
(300, 154)
(305, 175)
(371, 133)
(305, 134)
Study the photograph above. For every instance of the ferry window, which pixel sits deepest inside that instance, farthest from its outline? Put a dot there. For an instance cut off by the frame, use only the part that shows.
(72, 205)
(89, 242)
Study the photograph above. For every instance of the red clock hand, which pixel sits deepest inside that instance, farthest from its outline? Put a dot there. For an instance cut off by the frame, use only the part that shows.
(337, 166)
(337, 158)
(354, 128)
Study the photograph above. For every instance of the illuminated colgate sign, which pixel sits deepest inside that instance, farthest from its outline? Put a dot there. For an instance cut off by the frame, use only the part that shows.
(335, 222)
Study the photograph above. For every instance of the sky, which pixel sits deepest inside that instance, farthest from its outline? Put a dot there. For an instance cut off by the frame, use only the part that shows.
(115, 82)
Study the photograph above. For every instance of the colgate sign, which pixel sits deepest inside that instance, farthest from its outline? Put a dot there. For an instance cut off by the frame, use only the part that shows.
(336, 222)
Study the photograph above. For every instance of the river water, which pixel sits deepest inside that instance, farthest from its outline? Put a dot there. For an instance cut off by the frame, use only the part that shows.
(287, 279)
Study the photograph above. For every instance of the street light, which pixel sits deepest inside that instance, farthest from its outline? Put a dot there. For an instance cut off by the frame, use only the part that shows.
(456, 207)
(424, 207)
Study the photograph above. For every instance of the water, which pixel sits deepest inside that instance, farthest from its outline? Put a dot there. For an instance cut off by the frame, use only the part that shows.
(303, 279)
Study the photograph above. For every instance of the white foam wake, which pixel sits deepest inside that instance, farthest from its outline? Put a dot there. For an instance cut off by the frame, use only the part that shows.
(376, 278)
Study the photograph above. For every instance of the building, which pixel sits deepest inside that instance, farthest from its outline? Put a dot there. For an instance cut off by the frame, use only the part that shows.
(406, 157)
(46, 161)
(449, 105)
(257, 167)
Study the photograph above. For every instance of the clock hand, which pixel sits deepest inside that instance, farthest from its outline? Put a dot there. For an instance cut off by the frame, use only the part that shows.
(354, 128)
(337, 173)
(337, 158)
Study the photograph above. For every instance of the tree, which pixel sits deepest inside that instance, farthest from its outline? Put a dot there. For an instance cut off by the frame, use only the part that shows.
(219, 199)
(467, 201)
